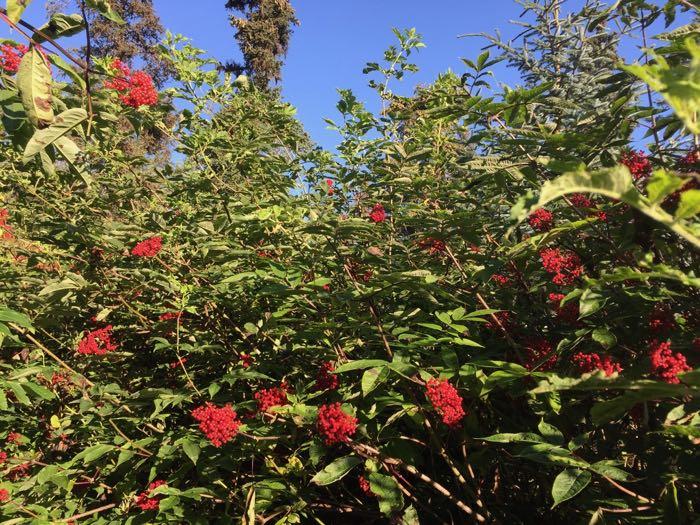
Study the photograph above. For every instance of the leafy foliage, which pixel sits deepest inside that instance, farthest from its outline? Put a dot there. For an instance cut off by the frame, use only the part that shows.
(268, 332)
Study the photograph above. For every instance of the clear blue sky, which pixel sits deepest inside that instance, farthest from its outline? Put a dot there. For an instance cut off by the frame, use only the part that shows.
(337, 37)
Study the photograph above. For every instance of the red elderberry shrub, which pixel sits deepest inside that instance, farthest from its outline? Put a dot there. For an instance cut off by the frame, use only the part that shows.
(246, 360)
(445, 400)
(219, 424)
(365, 486)
(4, 495)
(148, 247)
(3, 457)
(580, 200)
(500, 279)
(271, 397)
(325, 380)
(5, 229)
(665, 364)
(145, 502)
(136, 88)
(638, 164)
(564, 265)
(541, 220)
(378, 213)
(590, 362)
(434, 246)
(329, 183)
(661, 319)
(97, 342)
(334, 425)
(568, 313)
(10, 57)
(539, 350)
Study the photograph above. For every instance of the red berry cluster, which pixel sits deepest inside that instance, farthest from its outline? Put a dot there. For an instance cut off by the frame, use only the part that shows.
(246, 360)
(136, 88)
(3, 457)
(271, 397)
(568, 313)
(541, 220)
(434, 246)
(180, 362)
(365, 486)
(329, 183)
(4, 495)
(564, 265)
(10, 56)
(500, 279)
(145, 502)
(169, 316)
(97, 342)
(590, 362)
(378, 213)
(148, 248)
(445, 400)
(334, 425)
(665, 364)
(325, 380)
(219, 424)
(14, 438)
(638, 164)
(539, 351)
(5, 229)
(580, 200)
(661, 319)
(690, 163)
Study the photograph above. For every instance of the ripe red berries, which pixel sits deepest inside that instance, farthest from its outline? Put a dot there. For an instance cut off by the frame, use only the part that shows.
(638, 164)
(378, 213)
(136, 88)
(10, 57)
(539, 353)
(541, 220)
(590, 362)
(445, 400)
(150, 503)
(665, 364)
(325, 380)
(5, 229)
(334, 425)
(4, 495)
(271, 397)
(564, 265)
(97, 342)
(148, 248)
(219, 424)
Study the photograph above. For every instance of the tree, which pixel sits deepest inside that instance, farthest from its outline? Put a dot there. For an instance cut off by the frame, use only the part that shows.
(263, 34)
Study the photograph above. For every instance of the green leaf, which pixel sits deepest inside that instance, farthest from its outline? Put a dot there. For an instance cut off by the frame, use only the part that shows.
(59, 25)
(689, 206)
(105, 9)
(589, 303)
(387, 491)
(191, 449)
(64, 66)
(34, 84)
(360, 364)
(569, 483)
(614, 183)
(516, 437)
(551, 433)
(679, 83)
(15, 8)
(95, 452)
(549, 454)
(372, 378)
(62, 124)
(661, 185)
(336, 470)
(605, 337)
(10, 316)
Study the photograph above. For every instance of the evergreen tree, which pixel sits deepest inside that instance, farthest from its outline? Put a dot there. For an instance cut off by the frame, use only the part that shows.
(263, 33)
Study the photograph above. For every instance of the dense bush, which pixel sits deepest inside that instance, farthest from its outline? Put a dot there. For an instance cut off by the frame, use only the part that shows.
(482, 307)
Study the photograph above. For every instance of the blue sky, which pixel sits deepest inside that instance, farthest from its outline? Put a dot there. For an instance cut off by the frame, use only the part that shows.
(337, 37)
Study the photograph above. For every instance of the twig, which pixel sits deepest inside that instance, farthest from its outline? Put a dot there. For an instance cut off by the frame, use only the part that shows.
(88, 513)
